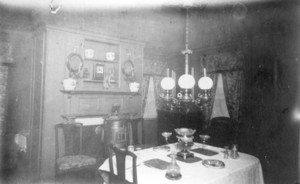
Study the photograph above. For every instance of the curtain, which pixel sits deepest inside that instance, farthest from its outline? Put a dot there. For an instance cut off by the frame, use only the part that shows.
(233, 82)
(212, 92)
(157, 90)
(230, 65)
(145, 86)
(153, 69)
(220, 107)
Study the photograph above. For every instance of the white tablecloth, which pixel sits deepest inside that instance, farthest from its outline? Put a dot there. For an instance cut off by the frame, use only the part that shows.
(244, 170)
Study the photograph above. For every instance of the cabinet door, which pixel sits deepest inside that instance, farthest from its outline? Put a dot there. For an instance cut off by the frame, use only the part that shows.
(36, 106)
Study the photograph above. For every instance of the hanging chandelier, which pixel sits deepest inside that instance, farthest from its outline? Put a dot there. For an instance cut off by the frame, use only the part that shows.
(186, 82)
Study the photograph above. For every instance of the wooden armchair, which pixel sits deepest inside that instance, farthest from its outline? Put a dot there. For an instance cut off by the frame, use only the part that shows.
(69, 157)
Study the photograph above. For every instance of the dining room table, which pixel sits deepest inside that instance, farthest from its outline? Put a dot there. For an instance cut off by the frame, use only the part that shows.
(208, 165)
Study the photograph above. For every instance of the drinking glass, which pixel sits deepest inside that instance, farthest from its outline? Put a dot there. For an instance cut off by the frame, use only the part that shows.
(204, 138)
(166, 135)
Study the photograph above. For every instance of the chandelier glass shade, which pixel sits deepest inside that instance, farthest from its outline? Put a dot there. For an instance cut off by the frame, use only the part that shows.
(205, 83)
(167, 83)
(186, 82)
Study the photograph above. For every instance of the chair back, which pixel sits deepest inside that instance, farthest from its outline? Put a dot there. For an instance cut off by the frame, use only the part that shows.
(68, 139)
(221, 130)
(121, 163)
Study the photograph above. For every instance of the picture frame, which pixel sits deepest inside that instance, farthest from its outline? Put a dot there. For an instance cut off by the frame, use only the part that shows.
(98, 72)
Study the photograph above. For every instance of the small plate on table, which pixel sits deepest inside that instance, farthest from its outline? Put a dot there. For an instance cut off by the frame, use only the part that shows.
(161, 148)
(211, 163)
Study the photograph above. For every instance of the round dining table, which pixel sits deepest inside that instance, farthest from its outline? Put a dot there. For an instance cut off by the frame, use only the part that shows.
(246, 169)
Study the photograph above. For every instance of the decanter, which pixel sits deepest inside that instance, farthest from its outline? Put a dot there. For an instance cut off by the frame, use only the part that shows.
(173, 169)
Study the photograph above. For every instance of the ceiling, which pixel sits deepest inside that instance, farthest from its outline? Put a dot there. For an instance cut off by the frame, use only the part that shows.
(99, 4)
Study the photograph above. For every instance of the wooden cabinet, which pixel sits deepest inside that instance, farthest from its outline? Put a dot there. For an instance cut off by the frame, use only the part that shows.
(50, 101)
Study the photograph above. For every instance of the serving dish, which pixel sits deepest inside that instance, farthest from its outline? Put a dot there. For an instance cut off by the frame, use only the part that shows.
(185, 131)
(212, 163)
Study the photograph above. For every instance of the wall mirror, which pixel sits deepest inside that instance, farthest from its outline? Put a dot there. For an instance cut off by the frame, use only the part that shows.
(74, 64)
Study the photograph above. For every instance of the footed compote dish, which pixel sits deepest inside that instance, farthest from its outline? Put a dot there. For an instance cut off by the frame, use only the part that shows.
(185, 141)
(185, 131)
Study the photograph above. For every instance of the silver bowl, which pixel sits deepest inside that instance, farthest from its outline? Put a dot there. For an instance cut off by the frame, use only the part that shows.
(185, 139)
(185, 131)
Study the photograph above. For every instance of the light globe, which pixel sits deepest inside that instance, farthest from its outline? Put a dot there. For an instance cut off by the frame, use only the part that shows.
(186, 81)
(167, 83)
(205, 83)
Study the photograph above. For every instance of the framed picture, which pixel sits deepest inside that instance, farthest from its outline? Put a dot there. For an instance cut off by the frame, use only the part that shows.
(98, 73)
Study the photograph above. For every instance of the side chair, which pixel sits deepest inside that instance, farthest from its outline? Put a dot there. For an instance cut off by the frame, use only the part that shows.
(117, 159)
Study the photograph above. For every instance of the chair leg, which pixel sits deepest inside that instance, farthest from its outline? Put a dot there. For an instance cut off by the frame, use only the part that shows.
(102, 177)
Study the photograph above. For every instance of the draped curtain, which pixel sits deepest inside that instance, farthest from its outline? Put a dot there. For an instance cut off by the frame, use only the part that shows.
(145, 85)
(158, 91)
(230, 65)
(233, 93)
(209, 109)
(152, 69)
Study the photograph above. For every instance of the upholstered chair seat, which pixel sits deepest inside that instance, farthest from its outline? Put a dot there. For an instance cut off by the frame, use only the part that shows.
(75, 162)
(73, 159)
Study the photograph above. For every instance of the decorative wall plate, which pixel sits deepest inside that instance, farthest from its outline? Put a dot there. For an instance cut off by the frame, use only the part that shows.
(128, 70)
(74, 64)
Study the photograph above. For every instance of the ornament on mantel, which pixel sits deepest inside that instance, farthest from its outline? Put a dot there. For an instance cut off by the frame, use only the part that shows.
(69, 84)
(134, 86)
(107, 80)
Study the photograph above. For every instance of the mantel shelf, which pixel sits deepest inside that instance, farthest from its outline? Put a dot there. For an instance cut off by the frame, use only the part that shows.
(95, 92)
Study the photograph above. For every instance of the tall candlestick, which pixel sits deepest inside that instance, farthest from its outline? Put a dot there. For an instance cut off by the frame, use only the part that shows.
(204, 72)
(168, 72)
(172, 75)
(174, 78)
(193, 90)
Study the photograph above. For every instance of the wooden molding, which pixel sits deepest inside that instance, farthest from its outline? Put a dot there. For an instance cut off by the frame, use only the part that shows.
(94, 92)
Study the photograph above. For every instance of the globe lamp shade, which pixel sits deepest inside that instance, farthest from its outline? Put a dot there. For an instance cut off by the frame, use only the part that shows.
(205, 83)
(186, 81)
(167, 83)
